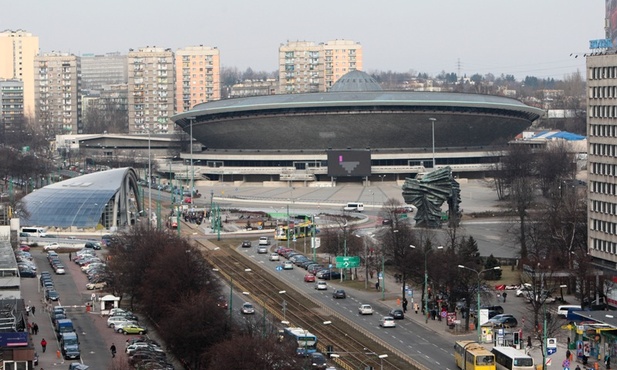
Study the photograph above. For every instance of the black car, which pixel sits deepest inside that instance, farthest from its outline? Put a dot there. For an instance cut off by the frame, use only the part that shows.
(246, 244)
(339, 293)
(51, 295)
(93, 245)
(328, 275)
(318, 360)
(25, 272)
(397, 314)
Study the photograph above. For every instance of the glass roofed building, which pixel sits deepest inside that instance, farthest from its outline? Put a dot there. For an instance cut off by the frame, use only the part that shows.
(106, 199)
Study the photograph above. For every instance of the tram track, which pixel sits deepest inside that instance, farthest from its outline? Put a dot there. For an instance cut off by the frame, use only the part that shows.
(356, 347)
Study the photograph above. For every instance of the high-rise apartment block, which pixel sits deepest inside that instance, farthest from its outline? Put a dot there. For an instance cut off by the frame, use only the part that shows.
(17, 52)
(11, 106)
(58, 93)
(151, 90)
(198, 76)
(306, 67)
(101, 70)
(340, 57)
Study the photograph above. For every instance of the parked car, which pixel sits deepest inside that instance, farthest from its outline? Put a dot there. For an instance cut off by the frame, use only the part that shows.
(51, 246)
(52, 295)
(328, 274)
(93, 245)
(134, 329)
(365, 309)
(91, 286)
(247, 309)
(524, 290)
(387, 322)
(339, 293)
(504, 320)
(313, 269)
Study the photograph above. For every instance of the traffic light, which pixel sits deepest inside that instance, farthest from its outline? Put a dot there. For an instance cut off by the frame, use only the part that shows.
(517, 339)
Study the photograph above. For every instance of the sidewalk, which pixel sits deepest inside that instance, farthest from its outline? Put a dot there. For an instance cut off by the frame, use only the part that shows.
(393, 294)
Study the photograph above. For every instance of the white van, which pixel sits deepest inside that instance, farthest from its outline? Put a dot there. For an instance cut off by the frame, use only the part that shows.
(562, 311)
(264, 240)
(34, 231)
(354, 207)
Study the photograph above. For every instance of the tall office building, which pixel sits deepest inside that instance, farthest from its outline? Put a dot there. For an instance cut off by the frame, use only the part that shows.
(101, 70)
(11, 107)
(58, 94)
(198, 76)
(306, 67)
(17, 52)
(151, 90)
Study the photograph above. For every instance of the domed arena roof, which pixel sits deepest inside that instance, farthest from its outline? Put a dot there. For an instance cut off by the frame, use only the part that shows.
(356, 81)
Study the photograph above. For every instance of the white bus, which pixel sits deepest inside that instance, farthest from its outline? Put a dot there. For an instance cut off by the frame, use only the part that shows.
(34, 231)
(508, 358)
(354, 206)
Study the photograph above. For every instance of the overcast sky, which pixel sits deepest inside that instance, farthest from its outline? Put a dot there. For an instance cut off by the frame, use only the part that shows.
(519, 37)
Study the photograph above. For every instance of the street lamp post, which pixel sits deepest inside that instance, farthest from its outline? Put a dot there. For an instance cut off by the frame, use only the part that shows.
(433, 130)
(191, 119)
(344, 246)
(425, 281)
(478, 295)
(149, 214)
(381, 357)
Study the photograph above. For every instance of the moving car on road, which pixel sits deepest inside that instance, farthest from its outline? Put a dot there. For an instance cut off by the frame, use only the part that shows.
(387, 322)
(365, 309)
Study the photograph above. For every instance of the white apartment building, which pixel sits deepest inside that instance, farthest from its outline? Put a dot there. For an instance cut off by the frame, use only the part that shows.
(150, 90)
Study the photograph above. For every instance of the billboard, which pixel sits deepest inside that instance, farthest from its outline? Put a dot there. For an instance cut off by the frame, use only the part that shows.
(611, 20)
(346, 163)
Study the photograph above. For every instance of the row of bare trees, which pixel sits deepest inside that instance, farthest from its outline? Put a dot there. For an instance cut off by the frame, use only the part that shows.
(167, 279)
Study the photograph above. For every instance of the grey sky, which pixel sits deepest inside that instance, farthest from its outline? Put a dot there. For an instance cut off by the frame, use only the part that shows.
(519, 37)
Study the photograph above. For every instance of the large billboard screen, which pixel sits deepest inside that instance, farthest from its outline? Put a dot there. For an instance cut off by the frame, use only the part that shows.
(346, 163)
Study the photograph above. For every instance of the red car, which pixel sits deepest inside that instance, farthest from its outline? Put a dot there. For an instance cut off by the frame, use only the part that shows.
(25, 247)
(309, 278)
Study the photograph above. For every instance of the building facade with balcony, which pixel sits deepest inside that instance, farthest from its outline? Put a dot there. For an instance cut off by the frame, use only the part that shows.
(17, 51)
(151, 101)
(198, 76)
(11, 106)
(307, 67)
(58, 93)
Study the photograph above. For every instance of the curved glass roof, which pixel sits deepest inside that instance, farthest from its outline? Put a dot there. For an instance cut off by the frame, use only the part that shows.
(356, 81)
(77, 202)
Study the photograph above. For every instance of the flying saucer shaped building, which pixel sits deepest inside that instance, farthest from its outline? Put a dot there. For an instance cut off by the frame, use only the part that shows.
(289, 137)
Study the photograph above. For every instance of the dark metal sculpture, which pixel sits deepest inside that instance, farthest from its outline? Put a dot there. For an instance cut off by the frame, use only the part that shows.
(428, 192)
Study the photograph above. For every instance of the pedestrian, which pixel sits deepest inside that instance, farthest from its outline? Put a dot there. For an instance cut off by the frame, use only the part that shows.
(504, 295)
(70, 255)
(30, 328)
(607, 361)
(35, 328)
(568, 354)
(28, 310)
(113, 350)
(577, 367)
(44, 344)
(32, 309)
(377, 285)
(405, 305)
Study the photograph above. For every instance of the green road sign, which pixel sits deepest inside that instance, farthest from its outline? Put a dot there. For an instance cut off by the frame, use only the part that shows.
(347, 262)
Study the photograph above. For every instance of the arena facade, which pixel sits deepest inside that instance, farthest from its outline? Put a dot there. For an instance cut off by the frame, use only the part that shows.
(286, 138)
